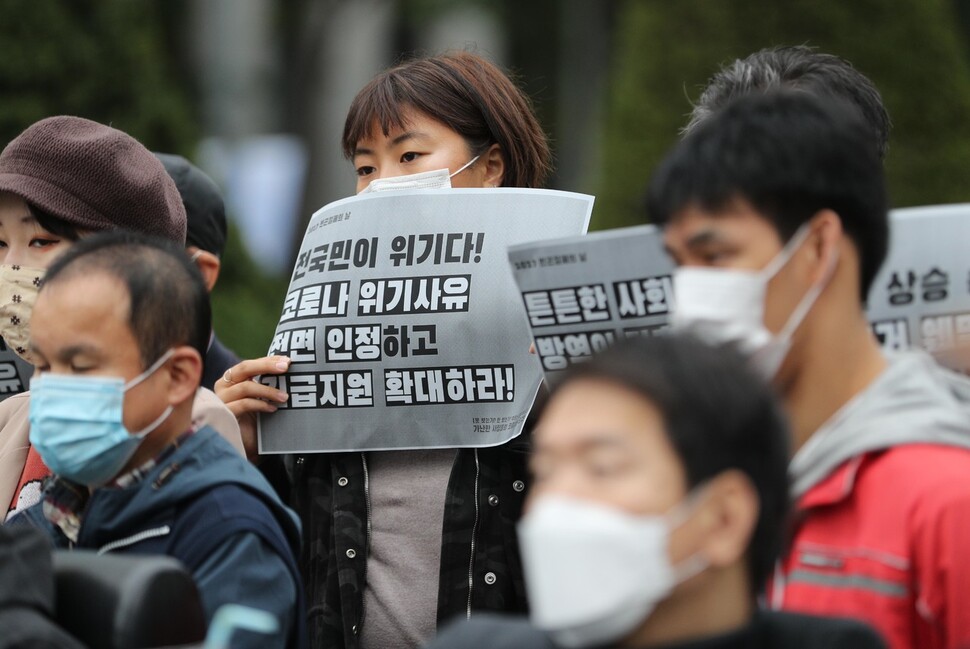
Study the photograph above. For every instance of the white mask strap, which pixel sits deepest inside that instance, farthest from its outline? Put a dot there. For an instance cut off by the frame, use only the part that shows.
(677, 516)
(155, 424)
(809, 300)
(151, 370)
(787, 252)
(679, 513)
(465, 166)
(141, 377)
(690, 567)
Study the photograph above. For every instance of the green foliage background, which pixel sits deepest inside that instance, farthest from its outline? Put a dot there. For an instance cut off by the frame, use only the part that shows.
(122, 62)
(246, 303)
(114, 61)
(913, 50)
(107, 60)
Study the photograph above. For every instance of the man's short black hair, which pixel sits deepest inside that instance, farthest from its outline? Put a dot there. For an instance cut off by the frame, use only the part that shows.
(789, 154)
(718, 415)
(205, 210)
(796, 67)
(169, 304)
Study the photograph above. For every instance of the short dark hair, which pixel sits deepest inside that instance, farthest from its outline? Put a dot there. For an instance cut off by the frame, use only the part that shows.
(205, 209)
(795, 67)
(718, 415)
(169, 304)
(468, 94)
(789, 154)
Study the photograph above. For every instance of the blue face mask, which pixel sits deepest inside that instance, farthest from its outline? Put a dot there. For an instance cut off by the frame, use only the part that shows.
(77, 424)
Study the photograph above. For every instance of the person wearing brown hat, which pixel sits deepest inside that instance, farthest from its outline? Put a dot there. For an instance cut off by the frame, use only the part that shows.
(61, 179)
(205, 241)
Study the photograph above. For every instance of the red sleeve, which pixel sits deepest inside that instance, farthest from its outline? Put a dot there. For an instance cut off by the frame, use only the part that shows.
(28, 487)
(941, 564)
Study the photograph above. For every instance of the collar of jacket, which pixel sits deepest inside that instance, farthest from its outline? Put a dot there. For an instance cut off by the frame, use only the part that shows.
(837, 487)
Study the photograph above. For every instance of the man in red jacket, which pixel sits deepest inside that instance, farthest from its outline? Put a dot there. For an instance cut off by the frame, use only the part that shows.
(776, 214)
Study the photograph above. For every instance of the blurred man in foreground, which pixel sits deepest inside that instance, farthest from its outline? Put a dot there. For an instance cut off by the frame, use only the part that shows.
(657, 512)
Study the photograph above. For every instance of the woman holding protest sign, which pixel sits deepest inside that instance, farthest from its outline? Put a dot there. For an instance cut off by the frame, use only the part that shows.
(413, 537)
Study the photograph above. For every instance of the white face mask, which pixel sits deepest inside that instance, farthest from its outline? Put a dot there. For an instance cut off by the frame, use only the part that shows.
(727, 306)
(594, 573)
(437, 179)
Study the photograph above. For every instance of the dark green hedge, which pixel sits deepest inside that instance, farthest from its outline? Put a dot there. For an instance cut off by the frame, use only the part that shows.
(107, 60)
(117, 62)
(665, 51)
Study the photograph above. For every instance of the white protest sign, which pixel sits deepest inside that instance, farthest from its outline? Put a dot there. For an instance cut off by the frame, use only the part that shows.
(921, 296)
(403, 323)
(583, 293)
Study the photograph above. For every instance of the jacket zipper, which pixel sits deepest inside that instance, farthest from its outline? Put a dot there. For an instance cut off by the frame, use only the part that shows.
(363, 459)
(367, 534)
(471, 557)
(135, 538)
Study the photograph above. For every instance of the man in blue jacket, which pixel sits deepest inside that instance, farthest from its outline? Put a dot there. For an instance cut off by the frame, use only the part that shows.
(119, 329)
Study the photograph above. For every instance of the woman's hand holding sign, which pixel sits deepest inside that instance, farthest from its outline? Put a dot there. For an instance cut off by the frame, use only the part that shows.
(245, 396)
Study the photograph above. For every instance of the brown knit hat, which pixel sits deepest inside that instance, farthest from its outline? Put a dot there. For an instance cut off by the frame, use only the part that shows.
(94, 177)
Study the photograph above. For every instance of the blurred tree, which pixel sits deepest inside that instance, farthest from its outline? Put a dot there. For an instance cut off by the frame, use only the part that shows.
(120, 62)
(912, 50)
(962, 8)
(246, 303)
(101, 59)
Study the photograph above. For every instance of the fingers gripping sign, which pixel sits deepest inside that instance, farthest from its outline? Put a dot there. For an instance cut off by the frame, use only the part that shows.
(246, 397)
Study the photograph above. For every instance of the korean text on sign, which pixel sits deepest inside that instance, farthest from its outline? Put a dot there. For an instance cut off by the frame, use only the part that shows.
(449, 385)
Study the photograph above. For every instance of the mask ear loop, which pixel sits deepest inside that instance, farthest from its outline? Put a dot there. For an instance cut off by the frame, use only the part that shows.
(681, 512)
(141, 377)
(787, 252)
(151, 370)
(465, 166)
(808, 301)
(155, 424)
(675, 518)
(692, 566)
